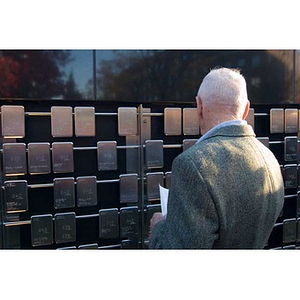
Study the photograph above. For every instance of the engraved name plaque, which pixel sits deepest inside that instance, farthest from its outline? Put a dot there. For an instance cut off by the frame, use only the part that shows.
(39, 158)
(109, 223)
(290, 176)
(16, 196)
(153, 182)
(85, 121)
(289, 230)
(291, 120)
(64, 192)
(127, 121)
(168, 176)
(62, 157)
(187, 143)
(14, 159)
(128, 188)
(276, 120)
(12, 121)
(151, 209)
(172, 121)
(190, 121)
(107, 155)
(61, 121)
(265, 141)
(129, 222)
(41, 230)
(250, 118)
(65, 227)
(86, 191)
(290, 148)
(154, 154)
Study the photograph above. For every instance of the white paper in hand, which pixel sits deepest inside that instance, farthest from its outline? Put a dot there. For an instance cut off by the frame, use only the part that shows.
(164, 194)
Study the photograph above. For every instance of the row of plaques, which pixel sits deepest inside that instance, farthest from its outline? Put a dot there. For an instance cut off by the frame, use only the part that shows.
(16, 191)
(113, 224)
(291, 230)
(284, 120)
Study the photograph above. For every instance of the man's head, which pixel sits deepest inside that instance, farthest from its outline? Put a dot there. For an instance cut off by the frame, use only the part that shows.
(222, 96)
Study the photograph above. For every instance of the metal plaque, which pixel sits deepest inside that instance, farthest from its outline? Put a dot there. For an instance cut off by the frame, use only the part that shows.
(65, 227)
(298, 204)
(85, 121)
(108, 223)
(129, 222)
(86, 191)
(151, 209)
(187, 143)
(62, 157)
(190, 121)
(298, 230)
(289, 230)
(14, 159)
(41, 230)
(127, 121)
(13, 121)
(250, 118)
(39, 158)
(88, 247)
(276, 120)
(168, 176)
(64, 192)
(129, 244)
(128, 188)
(153, 182)
(172, 121)
(290, 148)
(290, 176)
(16, 196)
(265, 141)
(61, 121)
(154, 154)
(291, 120)
(107, 155)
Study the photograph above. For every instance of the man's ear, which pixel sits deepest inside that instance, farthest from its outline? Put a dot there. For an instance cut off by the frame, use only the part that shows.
(246, 111)
(199, 106)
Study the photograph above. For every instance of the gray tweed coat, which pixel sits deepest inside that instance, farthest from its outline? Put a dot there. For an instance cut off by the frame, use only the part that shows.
(226, 192)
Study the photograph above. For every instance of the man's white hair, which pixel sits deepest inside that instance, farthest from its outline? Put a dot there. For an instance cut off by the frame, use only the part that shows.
(224, 86)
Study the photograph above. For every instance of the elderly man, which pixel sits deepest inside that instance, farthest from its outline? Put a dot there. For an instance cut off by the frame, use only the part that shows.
(227, 190)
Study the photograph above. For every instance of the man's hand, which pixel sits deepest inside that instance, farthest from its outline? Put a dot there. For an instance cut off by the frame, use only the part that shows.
(157, 217)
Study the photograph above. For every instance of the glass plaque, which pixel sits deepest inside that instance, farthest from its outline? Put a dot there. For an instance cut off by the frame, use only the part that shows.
(276, 120)
(291, 120)
(172, 121)
(108, 223)
(190, 121)
(41, 230)
(127, 121)
(168, 176)
(187, 143)
(62, 157)
(107, 155)
(39, 158)
(129, 222)
(265, 141)
(13, 121)
(86, 191)
(85, 121)
(64, 192)
(16, 196)
(153, 182)
(154, 154)
(128, 188)
(290, 148)
(88, 246)
(65, 227)
(61, 121)
(290, 176)
(250, 118)
(14, 159)
(289, 230)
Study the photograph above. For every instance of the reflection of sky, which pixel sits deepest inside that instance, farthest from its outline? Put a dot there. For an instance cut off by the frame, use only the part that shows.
(82, 65)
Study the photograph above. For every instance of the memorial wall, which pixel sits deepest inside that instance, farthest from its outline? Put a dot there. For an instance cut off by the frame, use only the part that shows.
(80, 169)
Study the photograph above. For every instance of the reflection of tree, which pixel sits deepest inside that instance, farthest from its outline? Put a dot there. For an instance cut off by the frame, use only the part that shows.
(71, 91)
(32, 73)
(174, 75)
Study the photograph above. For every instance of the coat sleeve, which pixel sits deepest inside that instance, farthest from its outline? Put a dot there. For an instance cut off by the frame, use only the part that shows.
(192, 220)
